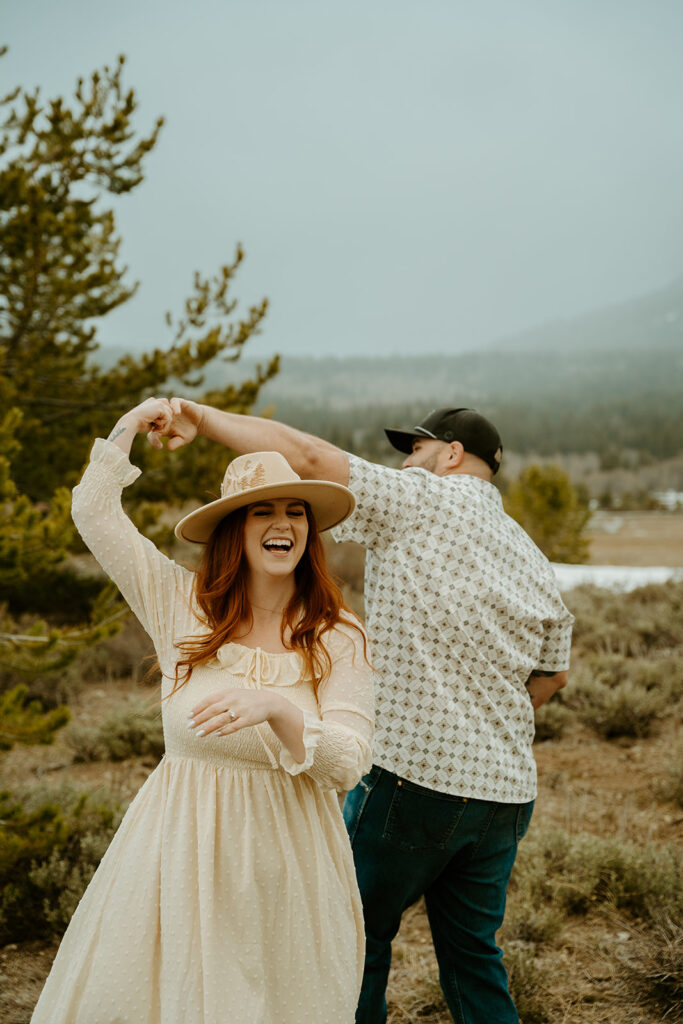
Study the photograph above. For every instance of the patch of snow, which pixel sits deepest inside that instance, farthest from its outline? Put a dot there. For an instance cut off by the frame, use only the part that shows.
(670, 499)
(614, 577)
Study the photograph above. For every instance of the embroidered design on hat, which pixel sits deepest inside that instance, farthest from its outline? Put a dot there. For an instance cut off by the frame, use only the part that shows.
(250, 474)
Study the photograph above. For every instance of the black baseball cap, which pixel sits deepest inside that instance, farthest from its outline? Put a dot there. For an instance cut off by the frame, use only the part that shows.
(476, 434)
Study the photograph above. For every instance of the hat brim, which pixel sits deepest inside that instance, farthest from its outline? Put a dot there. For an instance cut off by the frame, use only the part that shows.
(402, 440)
(330, 504)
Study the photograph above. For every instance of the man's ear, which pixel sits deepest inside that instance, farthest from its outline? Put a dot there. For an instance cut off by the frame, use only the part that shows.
(456, 453)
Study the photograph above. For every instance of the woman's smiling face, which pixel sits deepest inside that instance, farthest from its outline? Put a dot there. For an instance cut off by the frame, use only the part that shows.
(275, 534)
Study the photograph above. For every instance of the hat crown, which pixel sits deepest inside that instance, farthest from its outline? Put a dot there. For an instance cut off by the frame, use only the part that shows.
(247, 472)
(266, 476)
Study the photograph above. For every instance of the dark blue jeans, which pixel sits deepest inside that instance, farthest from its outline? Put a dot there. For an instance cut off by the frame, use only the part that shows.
(409, 841)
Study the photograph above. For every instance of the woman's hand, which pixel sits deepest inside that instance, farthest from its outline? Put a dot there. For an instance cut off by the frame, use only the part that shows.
(231, 710)
(153, 417)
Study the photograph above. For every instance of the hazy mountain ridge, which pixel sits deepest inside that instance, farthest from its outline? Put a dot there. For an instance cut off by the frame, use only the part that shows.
(624, 350)
(654, 321)
(480, 378)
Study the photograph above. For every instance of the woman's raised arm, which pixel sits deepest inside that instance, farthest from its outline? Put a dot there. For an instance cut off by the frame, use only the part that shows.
(153, 416)
(149, 581)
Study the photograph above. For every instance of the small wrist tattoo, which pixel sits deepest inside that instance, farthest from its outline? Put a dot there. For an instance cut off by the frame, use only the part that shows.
(116, 433)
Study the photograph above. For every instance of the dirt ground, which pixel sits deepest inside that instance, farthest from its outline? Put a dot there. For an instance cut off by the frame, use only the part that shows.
(636, 538)
(586, 785)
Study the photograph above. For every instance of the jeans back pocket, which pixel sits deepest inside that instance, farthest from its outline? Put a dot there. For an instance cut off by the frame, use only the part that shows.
(421, 819)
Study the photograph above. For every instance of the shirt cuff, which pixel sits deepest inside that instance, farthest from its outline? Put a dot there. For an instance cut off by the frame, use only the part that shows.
(109, 456)
(313, 730)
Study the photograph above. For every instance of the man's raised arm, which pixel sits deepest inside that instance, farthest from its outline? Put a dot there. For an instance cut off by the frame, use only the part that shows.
(309, 456)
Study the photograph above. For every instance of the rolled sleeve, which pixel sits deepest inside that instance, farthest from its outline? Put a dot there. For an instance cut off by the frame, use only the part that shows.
(556, 647)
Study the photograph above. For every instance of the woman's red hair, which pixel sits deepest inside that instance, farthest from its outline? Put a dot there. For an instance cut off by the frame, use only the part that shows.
(220, 590)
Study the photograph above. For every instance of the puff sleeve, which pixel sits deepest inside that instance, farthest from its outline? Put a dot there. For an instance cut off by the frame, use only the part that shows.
(338, 743)
(149, 581)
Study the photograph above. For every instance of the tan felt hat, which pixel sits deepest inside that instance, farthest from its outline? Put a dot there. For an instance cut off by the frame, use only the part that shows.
(259, 477)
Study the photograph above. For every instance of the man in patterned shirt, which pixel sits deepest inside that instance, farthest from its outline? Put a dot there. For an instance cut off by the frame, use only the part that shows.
(468, 635)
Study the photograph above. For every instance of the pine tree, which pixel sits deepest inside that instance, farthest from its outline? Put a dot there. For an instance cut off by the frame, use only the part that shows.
(551, 511)
(60, 273)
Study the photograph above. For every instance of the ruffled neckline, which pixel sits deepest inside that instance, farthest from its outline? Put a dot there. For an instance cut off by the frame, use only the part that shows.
(270, 668)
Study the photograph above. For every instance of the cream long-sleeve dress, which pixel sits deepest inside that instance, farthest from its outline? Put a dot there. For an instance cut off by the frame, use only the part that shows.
(228, 894)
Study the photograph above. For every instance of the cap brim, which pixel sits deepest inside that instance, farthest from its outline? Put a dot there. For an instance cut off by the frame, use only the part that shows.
(402, 440)
(330, 504)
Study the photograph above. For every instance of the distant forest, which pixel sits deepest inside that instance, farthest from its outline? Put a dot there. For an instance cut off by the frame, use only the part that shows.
(626, 407)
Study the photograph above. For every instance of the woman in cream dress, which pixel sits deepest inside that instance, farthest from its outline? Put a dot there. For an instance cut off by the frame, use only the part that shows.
(228, 894)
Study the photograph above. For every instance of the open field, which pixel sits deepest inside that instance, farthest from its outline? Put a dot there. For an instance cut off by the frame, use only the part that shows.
(636, 538)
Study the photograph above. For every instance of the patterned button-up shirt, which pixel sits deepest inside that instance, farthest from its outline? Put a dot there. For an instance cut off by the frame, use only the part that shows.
(461, 606)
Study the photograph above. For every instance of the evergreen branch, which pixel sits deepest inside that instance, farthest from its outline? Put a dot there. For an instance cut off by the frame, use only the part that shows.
(75, 637)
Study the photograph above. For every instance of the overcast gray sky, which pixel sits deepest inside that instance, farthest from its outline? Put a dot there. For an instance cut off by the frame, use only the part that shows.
(405, 175)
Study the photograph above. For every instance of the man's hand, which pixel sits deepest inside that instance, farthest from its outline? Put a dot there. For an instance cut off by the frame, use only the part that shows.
(182, 427)
(542, 686)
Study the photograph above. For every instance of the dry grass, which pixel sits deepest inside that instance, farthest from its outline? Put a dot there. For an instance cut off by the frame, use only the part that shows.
(636, 538)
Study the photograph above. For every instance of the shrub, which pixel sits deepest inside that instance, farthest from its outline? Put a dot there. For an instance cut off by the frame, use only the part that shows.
(85, 742)
(527, 986)
(646, 620)
(624, 710)
(651, 966)
(65, 875)
(414, 989)
(64, 595)
(551, 720)
(632, 878)
(622, 697)
(526, 921)
(664, 674)
(122, 655)
(552, 511)
(132, 730)
(671, 786)
(50, 846)
(23, 720)
(578, 873)
(532, 914)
